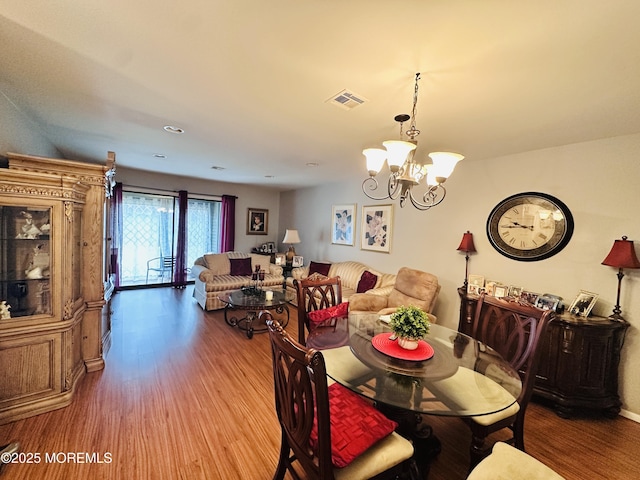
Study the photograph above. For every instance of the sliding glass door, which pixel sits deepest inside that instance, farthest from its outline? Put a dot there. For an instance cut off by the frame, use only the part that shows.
(149, 233)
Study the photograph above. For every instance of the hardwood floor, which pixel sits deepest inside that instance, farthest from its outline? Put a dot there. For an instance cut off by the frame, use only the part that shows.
(184, 396)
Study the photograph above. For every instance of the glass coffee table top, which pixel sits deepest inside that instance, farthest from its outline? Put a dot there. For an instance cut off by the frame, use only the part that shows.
(250, 303)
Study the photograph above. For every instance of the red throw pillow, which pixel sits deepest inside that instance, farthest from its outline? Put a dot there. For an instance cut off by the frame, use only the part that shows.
(317, 316)
(241, 266)
(367, 281)
(321, 268)
(355, 425)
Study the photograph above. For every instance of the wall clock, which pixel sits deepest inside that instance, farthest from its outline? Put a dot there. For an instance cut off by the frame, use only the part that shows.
(529, 226)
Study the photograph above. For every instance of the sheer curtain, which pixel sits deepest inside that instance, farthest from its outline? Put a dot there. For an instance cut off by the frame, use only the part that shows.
(228, 223)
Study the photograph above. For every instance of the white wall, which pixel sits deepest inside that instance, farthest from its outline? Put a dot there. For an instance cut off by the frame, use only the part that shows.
(19, 135)
(248, 197)
(597, 180)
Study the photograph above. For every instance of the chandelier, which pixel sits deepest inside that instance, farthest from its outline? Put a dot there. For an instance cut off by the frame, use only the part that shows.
(404, 172)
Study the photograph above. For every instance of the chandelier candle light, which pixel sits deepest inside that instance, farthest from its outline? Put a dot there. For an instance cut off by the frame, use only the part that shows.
(404, 172)
(622, 255)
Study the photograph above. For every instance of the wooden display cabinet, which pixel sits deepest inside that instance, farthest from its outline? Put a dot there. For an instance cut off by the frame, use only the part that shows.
(580, 356)
(51, 253)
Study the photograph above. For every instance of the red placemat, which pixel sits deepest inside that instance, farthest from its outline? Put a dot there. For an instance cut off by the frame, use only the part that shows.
(382, 343)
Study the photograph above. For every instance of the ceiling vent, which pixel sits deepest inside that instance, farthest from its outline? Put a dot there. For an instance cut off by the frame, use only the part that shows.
(347, 100)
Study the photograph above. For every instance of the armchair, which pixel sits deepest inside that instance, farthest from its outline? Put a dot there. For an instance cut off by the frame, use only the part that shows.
(412, 287)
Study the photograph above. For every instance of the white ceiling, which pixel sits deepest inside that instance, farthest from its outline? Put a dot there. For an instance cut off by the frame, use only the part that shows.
(248, 80)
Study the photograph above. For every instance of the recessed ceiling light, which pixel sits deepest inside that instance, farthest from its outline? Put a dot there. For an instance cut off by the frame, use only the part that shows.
(159, 155)
(217, 168)
(172, 129)
(312, 164)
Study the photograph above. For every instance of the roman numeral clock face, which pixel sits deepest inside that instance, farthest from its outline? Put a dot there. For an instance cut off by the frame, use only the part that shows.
(529, 226)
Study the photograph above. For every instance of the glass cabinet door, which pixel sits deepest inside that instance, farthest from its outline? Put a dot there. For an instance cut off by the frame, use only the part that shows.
(24, 261)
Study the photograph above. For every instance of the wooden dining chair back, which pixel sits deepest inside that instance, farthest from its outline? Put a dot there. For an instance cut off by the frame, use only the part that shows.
(514, 330)
(304, 412)
(315, 292)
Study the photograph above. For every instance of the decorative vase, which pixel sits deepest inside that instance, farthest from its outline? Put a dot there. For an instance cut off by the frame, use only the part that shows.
(408, 343)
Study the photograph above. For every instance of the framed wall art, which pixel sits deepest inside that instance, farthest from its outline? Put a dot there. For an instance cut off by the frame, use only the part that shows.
(257, 221)
(343, 224)
(376, 230)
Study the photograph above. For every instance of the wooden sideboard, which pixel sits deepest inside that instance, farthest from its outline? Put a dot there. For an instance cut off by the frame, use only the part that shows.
(578, 371)
(53, 277)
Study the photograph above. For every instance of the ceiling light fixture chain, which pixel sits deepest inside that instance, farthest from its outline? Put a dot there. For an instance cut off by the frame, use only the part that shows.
(404, 172)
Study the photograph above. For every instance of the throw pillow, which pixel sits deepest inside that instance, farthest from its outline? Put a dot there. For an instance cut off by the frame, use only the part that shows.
(261, 260)
(367, 282)
(355, 425)
(240, 266)
(218, 263)
(317, 316)
(321, 268)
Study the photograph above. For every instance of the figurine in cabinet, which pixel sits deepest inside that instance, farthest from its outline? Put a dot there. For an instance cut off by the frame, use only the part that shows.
(29, 230)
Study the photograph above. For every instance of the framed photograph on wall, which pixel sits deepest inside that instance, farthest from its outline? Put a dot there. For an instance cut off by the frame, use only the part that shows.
(343, 224)
(583, 303)
(377, 228)
(257, 221)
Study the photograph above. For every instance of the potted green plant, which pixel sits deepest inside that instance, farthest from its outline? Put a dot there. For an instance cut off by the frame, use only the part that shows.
(409, 325)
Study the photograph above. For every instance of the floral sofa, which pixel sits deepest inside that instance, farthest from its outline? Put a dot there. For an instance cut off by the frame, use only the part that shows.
(218, 273)
(352, 275)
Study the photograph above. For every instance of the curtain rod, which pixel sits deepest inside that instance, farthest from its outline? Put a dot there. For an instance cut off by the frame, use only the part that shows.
(173, 193)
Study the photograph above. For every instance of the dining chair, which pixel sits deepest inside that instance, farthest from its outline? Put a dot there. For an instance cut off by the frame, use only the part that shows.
(508, 463)
(316, 292)
(514, 331)
(322, 425)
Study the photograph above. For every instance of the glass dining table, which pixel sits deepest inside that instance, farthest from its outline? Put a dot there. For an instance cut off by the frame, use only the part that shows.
(461, 378)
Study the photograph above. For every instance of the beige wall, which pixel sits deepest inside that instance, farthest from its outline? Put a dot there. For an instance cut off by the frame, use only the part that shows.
(248, 197)
(597, 180)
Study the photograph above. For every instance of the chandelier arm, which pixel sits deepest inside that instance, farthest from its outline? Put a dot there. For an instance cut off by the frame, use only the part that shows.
(427, 203)
(373, 185)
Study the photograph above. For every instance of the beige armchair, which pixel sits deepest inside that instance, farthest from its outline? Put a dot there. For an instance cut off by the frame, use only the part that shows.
(412, 287)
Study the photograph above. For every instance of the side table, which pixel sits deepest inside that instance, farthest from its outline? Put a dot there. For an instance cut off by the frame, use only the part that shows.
(579, 365)
(578, 369)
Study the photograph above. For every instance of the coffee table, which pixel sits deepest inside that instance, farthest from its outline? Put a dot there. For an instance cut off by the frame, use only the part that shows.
(250, 304)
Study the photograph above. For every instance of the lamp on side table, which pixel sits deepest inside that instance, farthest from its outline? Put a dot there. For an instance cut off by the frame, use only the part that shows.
(467, 246)
(622, 255)
(291, 237)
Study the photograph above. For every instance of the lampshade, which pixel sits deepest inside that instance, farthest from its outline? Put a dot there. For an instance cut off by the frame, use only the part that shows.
(375, 159)
(397, 151)
(466, 245)
(444, 163)
(291, 236)
(622, 255)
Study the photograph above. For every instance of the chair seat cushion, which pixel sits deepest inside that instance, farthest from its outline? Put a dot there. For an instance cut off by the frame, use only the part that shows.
(340, 310)
(355, 425)
(509, 463)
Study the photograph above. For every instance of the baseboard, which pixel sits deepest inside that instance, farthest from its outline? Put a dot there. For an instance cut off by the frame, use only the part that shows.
(630, 415)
